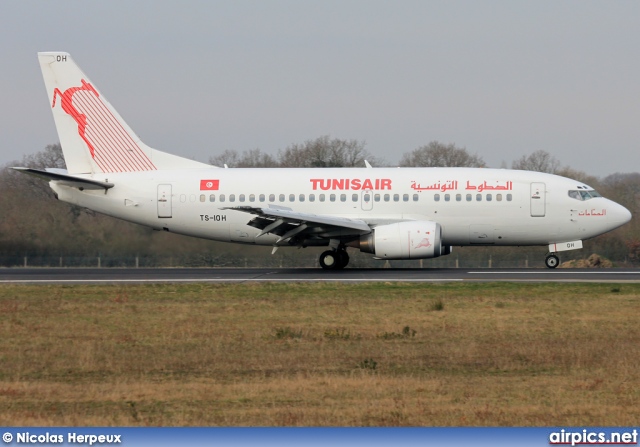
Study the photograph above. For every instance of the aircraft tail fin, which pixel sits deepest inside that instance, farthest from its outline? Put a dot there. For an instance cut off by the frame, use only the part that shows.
(93, 136)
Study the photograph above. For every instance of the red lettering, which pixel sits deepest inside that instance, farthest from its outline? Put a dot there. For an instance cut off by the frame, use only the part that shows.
(347, 184)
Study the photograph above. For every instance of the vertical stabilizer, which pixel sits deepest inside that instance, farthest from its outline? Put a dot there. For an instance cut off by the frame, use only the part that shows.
(93, 136)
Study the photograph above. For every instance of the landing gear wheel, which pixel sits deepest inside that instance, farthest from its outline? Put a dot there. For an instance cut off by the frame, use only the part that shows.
(343, 259)
(334, 259)
(329, 260)
(552, 261)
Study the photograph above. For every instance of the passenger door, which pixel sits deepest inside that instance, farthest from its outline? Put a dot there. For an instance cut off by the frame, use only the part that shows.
(538, 199)
(164, 201)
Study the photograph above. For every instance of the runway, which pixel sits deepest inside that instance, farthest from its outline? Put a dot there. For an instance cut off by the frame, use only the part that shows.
(239, 275)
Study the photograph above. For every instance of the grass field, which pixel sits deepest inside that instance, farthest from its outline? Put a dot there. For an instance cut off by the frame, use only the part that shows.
(373, 354)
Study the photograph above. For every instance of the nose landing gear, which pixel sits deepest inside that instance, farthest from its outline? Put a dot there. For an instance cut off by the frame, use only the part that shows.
(334, 259)
(552, 261)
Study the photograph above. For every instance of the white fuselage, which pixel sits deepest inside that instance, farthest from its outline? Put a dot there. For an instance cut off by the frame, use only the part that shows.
(473, 206)
(392, 213)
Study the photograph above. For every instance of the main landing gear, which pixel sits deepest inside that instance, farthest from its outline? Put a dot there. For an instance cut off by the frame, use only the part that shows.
(334, 259)
(552, 261)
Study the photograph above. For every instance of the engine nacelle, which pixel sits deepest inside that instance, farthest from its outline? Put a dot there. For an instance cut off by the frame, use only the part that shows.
(405, 240)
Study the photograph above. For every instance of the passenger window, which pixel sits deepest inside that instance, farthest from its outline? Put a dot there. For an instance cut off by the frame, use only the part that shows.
(499, 197)
(312, 197)
(354, 197)
(376, 198)
(469, 198)
(332, 197)
(458, 197)
(183, 198)
(261, 197)
(387, 197)
(479, 197)
(222, 197)
(212, 198)
(367, 197)
(489, 198)
(202, 197)
(405, 197)
(509, 197)
(241, 197)
(301, 197)
(396, 197)
(292, 197)
(252, 197)
(321, 197)
(272, 197)
(281, 197)
(232, 197)
(343, 197)
(447, 197)
(416, 197)
(436, 197)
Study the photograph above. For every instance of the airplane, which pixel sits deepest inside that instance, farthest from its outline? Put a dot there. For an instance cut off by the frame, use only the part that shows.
(391, 213)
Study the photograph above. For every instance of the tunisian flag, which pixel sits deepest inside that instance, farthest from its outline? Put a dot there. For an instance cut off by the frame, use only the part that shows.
(209, 185)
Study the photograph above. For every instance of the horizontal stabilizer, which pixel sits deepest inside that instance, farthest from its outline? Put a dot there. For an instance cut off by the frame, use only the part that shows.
(66, 179)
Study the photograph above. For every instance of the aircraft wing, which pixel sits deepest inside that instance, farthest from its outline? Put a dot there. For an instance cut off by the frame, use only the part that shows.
(62, 177)
(287, 223)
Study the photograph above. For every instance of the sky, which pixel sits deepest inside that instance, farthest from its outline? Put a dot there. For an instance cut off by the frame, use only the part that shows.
(195, 78)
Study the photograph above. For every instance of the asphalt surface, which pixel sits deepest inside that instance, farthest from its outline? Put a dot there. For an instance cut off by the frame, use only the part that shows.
(180, 275)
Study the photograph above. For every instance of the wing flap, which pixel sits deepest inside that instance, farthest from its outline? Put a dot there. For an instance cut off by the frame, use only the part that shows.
(287, 223)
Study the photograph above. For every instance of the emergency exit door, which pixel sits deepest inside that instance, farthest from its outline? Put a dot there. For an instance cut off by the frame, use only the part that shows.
(366, 200)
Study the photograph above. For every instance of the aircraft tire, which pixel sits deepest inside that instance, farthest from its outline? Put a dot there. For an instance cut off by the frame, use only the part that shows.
(343, 258)
(329, 260)
(552, 261)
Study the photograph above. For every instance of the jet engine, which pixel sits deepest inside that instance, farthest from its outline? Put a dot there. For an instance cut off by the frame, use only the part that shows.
(405, 240)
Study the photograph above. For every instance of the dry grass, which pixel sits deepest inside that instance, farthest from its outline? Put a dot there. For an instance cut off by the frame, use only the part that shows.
(320, 355)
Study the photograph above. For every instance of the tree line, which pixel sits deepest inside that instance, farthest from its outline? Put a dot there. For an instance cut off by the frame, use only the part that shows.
(36, 229)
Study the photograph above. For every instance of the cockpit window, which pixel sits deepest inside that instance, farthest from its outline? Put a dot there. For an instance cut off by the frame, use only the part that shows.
(575, 195)
(584, 194)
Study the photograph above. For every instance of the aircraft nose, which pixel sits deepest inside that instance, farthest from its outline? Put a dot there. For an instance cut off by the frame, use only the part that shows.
(619, 215)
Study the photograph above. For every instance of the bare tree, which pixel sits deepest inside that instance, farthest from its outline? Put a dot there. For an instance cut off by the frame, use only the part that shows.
(325, 152)
(254, 158)
(436, 154)
(49, 157)
(228, 157)
(581, 176)
(541, 161)
(623, 188)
